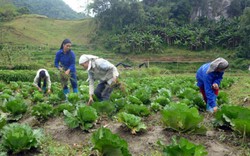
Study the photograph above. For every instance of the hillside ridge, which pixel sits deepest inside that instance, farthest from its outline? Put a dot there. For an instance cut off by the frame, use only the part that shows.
(39, 30)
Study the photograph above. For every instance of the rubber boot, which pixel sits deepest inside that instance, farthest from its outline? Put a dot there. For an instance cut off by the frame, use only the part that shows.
(209, 109)
(75, 90)
(44, 89)
(66, 91)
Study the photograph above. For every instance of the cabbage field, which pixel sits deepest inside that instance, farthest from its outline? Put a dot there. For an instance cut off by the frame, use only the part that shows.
(149, 114)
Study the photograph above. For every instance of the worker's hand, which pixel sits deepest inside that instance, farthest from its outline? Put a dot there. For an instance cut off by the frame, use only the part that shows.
(215, 109)
(114, 80)
(67, 72)
(40, 90)
(90, 100)
(60, 69)
(215, 86)
(49, 91)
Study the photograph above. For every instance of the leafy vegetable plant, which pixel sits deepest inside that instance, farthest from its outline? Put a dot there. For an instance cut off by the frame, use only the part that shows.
(61, 107)
(84, 116)
(42, 111)
(73, 98)
(138, 110)
(19, 137)
(37, 97)
(181, 118)
(235, 117)
(132, 122)
(109, 144)
(104, 107)
(3, 121)
(16, 107)
(183, 147)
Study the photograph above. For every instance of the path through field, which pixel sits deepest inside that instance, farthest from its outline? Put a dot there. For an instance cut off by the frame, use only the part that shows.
(217, 142)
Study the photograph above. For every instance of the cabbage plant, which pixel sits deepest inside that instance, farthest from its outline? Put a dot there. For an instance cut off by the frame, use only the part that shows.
(73, 98)
(19, 137)
(138, 110)
(181, 118)
(16, 107)
(234, 117)
(131, 121)
(42, 111)
(3, 121)
(183, 147)
(104, 107)
(84, 116)
(108, 143)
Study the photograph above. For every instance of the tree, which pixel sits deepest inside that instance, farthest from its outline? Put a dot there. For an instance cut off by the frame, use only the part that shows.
(181, 12)
(237, 7)
(244, 50)
(116, 14)
(7, 12)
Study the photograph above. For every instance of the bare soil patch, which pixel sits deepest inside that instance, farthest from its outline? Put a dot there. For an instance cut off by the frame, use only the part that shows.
(217, 142)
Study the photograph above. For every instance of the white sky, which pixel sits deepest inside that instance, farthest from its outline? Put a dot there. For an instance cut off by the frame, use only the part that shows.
(78, 5)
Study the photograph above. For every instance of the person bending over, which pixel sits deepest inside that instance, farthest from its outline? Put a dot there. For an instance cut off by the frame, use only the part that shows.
(102, 70)
(208, 78)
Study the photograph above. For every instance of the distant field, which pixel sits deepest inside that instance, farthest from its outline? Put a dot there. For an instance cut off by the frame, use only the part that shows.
(42, 31)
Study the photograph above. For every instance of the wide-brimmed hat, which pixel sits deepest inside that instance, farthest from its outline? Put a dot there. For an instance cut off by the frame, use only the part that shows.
(219, 63)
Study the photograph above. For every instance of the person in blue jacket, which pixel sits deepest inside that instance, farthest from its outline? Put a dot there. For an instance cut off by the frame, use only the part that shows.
(65, 63)
(208, 78)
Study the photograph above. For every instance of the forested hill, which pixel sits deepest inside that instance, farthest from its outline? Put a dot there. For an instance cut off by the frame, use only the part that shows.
(51, 8)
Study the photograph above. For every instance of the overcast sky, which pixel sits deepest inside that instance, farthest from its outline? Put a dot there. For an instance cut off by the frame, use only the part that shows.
(77, 5)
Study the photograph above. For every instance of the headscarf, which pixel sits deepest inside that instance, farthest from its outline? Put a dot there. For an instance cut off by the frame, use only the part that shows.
(84, 58)
(65, 42)
(219, 63)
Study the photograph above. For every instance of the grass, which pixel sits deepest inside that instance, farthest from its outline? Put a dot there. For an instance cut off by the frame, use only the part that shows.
(37, 30)
(240, 91)
(55, 148)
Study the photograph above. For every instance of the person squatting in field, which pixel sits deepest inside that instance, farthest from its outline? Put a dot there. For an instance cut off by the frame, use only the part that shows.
(208, 78)
(102, 70)
(42, 75)
(65, 63)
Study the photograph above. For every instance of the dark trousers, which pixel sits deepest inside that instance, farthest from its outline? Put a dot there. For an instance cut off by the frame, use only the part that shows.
(103, 91)
(39, 83)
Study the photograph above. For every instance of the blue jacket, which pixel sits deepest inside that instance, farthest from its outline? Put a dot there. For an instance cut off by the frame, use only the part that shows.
(206, 81)
(67, 61)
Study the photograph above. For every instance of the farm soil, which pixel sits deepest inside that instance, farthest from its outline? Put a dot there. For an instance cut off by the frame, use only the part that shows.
(217, 142)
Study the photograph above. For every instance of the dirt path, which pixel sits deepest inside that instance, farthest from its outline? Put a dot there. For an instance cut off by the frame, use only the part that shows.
(145, 143)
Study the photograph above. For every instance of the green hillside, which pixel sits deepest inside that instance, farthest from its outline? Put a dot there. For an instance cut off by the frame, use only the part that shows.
(51, 8)
(39, 30)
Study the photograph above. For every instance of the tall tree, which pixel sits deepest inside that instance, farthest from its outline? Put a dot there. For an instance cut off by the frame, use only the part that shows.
(244, 50)
(181, 12)
(116, 14)
(237, 7)
(7, 10)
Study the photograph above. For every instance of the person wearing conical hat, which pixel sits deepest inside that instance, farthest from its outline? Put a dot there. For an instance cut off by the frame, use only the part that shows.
(102, 70)
(208, 78)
